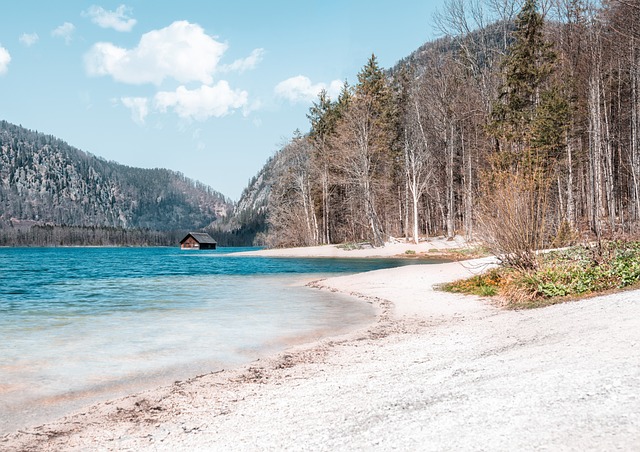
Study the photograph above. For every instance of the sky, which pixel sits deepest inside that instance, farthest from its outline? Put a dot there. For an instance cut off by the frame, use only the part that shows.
(208, 88)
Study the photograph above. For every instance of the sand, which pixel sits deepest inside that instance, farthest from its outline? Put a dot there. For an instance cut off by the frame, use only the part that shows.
(435, 372)
(392, 249)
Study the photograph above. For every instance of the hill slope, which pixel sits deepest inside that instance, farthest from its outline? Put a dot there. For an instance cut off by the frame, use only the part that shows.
(46, 180)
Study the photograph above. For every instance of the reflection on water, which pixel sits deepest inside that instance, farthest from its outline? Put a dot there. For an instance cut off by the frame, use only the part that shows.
(79, 325)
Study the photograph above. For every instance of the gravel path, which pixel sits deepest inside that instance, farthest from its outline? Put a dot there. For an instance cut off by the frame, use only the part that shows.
(436, 372)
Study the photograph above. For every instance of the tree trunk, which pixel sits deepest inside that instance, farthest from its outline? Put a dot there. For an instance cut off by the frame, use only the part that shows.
(450, 192)
(608, 166)
(570, 201)
(416, 237)
(635, 131)
(595, 148)
(326, 237)
(468, 189)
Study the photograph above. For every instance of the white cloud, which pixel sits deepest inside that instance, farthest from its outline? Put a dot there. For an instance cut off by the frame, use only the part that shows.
(250, 108)
(202, 103)
(301, 89)
(5, 59)
(139, 107)
(29, 39)
(118, 19)
(182, 51)
(244, 64)
(64, 31)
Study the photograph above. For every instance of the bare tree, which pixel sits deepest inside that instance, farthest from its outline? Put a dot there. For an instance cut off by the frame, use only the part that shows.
(418, 157)
(292, 217)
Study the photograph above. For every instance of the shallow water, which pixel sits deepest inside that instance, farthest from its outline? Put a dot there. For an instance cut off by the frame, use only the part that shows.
(82, 324)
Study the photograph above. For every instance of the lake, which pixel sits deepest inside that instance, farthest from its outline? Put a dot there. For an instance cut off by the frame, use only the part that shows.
(84, 324)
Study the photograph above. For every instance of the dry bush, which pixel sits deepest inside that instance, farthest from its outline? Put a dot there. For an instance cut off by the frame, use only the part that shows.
(566, 235)
(511, 218)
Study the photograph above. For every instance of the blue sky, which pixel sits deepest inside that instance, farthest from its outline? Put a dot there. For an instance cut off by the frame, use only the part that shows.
(208, 88)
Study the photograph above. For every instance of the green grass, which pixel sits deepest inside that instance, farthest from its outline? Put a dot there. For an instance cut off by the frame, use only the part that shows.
(562, 275)
(484, 285)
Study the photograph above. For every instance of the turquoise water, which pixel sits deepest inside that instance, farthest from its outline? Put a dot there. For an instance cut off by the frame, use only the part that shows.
(83, 324)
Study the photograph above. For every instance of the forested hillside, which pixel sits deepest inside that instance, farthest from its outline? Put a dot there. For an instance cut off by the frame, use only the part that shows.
(248, 223)
(45, 181)
(524, 119)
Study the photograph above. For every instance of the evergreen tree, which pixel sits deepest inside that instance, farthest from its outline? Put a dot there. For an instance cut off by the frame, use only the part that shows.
(318, 115)
(527, 69)
(374, 90)
(344, 99)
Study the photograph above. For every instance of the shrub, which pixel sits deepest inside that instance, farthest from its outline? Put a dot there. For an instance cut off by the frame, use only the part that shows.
(511, 217)
(573, 272)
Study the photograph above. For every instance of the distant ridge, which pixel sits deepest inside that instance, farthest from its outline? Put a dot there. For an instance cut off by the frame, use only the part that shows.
(44, 180)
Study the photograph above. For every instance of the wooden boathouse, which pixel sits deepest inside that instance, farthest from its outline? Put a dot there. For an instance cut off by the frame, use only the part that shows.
(198, 241)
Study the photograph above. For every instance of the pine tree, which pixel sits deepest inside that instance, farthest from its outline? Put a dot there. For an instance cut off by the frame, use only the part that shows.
(344, 99)
(526, 69)
(374, 90)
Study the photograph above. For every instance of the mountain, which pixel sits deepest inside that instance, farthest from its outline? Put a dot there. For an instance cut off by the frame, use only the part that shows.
(248, 221)
(44, 180)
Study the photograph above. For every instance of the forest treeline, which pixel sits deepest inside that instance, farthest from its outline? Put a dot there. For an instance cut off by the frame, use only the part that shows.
(521, 124)
(63, 235)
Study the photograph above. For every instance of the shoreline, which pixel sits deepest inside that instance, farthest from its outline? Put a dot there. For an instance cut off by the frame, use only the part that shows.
(397, 249)
(435, 371)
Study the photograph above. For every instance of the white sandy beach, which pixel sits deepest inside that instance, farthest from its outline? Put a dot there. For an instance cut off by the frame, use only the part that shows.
(397, 248)
(435, 372)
